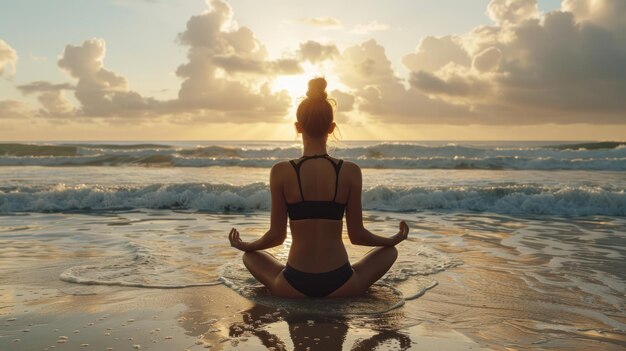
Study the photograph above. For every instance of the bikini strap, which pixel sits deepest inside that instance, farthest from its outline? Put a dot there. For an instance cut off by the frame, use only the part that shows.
(337, 169)
(296, 166)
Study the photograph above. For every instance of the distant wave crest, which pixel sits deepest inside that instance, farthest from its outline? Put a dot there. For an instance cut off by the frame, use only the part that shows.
(509, 199)
(591, 156)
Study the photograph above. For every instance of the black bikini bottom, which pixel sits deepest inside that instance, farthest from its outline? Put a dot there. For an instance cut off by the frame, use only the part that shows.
(317, 284)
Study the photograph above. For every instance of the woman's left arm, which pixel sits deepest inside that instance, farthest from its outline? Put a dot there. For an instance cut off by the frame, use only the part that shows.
(278, 220)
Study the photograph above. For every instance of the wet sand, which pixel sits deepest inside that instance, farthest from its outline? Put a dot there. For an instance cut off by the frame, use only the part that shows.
(513, 291)
(456, 315)
(200, 318)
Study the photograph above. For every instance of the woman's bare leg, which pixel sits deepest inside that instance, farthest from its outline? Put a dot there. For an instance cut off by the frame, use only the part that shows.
(367, 271)
(268, 271)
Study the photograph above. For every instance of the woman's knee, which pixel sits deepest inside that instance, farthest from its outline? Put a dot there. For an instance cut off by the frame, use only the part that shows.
(248, 257)
(391, 252)
(394, 252)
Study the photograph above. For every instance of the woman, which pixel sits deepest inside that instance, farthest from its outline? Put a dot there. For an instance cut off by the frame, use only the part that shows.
(314, 191)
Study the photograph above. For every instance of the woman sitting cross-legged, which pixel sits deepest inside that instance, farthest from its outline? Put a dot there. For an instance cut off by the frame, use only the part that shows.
(314, 191)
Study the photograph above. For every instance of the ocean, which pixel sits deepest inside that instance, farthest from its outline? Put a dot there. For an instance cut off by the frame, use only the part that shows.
(537, 229)
(530, 178)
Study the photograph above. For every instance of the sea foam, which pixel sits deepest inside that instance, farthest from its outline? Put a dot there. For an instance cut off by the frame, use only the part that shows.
(505, 198)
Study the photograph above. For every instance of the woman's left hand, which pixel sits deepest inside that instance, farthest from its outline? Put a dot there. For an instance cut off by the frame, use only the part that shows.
(235, 240)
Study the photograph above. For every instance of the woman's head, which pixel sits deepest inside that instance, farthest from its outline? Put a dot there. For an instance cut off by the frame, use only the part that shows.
(315, 112)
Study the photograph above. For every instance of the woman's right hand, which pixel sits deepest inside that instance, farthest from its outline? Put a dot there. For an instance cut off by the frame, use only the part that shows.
(402, 234)
(235, 240)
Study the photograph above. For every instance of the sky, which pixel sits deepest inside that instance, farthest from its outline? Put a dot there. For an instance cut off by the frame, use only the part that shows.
(235, 70)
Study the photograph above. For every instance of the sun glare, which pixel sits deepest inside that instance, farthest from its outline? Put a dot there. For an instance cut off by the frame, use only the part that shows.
(296, 85)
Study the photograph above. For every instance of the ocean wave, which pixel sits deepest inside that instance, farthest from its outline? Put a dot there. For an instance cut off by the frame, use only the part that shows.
(455, 162)
(589, 146)
(18, 150)
(384, 156)
(506, 199)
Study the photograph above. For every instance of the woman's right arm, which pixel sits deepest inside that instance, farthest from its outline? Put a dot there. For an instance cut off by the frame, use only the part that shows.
(354, 216)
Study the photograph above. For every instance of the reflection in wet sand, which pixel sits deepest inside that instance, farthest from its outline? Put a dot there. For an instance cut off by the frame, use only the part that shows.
(306, 332)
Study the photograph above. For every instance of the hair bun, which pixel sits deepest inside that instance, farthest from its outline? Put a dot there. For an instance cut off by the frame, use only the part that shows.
(317, 89)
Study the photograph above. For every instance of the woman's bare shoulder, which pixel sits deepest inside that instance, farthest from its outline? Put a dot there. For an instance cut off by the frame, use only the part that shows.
(351, 168)
(280, 169)
(351, 165)
(282, 165)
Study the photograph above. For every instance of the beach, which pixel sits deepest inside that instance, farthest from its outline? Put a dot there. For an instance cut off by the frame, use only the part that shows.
(512, 246)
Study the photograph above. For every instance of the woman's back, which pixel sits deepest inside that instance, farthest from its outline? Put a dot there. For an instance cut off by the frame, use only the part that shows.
(317, 245)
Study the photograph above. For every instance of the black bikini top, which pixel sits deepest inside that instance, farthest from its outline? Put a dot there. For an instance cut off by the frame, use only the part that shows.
(308, 209)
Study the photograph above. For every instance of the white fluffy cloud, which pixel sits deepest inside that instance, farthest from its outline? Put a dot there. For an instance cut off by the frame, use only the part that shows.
(512, 11)
(10, 109)
(562, 67)
(526, 67)
(8, 59)
(436, 52)
(102, 93)
(219, 52)
(227, 78)
(366, 69)
(322, 22)
(610, 14)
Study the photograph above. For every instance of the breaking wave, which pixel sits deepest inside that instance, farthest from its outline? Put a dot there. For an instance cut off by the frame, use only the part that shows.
(505, 198)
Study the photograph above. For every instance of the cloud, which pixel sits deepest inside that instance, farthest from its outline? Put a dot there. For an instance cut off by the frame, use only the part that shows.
(453, 81)
(556, 68)
(314, 52)
(610, 14)
(219, 52)
(237, 64)
(512, 11)
(435, 52)
(365, 64)
(226, 78)
(526, 67)
(383, 96)
(8, 59)
(373, 26)
(51, 98)
(562, 65)
(323, 22)
(14, 109)
(101, 92)
(345, 101)
(487, 60)
(43, 86)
